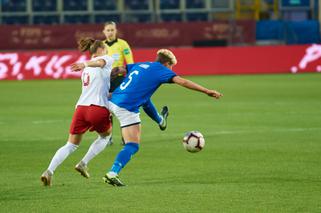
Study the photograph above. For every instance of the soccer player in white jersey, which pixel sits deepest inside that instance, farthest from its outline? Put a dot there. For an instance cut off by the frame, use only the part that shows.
(142, 80)
(91, 109)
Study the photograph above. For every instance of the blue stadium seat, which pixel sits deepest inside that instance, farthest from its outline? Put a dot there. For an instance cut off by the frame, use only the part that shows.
(138, 18)
(44, 5)
(171, 17)
(14, 5)
(46, 19)
(195, 4)
(75, 5)
(196, 17)
(77, 19)
(169, 4)
(136, 4)
(105, 18)
(105, 4)
(15, 19)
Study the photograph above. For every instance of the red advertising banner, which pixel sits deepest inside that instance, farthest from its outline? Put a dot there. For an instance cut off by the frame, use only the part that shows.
(191, 61)
(137, 35)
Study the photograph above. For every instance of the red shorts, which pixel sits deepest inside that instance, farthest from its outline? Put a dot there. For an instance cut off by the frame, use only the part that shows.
(94, 118)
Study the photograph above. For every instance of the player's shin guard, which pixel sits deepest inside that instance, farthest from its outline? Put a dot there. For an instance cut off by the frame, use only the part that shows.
(152, 112)
(96, 147)
(124, 156)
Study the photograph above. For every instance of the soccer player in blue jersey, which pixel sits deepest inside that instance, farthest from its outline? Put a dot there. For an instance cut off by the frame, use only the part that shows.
(142, 80)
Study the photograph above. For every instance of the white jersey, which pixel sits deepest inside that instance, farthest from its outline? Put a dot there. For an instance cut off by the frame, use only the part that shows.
(96, 84)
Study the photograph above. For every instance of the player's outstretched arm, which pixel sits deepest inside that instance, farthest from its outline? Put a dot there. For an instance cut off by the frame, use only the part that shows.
(80, 66)
(194, 86)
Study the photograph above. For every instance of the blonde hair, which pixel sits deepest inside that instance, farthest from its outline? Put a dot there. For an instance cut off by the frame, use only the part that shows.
(110, 23)
(90, 44)
(165, 55)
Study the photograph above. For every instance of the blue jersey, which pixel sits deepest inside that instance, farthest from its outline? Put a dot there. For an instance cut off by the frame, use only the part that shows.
(141, 82)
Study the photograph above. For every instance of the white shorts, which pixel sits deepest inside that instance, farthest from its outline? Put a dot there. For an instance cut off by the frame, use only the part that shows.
(125, 117)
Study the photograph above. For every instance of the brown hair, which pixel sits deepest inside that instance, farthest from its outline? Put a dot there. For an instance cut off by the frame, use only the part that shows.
(164, 56)
(90, 44)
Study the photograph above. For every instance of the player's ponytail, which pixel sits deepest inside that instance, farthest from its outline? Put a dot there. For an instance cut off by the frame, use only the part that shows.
(166, 56)
(90, 44)
(85, 43)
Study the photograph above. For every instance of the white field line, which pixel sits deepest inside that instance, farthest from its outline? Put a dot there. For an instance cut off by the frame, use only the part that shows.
(266, 130)
(174, 135)
(37, 122)
(235, 132)
(47, 121)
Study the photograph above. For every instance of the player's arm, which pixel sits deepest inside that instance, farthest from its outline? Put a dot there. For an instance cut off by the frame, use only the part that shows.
(194, 86)
(127, 53)
(80, 66)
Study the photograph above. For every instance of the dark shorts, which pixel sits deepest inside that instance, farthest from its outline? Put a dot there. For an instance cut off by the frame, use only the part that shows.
(92, 118)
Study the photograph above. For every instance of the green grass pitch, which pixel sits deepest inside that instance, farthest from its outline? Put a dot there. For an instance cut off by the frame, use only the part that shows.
(262, 152)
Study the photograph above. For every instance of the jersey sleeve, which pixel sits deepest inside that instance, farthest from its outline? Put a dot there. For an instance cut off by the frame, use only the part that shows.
(127, 53)
(167, 75)
(108, 60)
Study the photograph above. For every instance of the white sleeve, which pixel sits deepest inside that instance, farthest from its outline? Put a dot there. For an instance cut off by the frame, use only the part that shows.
(108, 60)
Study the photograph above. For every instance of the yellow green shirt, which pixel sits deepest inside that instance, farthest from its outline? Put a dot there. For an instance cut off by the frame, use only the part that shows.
(120, 51)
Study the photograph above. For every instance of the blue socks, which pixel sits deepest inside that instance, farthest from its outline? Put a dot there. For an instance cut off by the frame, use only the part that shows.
(151, 111)
(124, 156)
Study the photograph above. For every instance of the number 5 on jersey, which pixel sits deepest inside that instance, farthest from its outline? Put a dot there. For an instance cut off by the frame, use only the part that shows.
(130, 78)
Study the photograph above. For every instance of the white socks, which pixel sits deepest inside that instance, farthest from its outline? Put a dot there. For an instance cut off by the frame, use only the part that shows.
(96, 147)
(61, 155)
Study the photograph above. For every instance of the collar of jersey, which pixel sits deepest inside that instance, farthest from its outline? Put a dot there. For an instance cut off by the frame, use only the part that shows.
(109, 43)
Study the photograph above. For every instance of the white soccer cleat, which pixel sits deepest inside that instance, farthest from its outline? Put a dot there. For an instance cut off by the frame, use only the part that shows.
(46, 178)
(113, 179)
(82, 169)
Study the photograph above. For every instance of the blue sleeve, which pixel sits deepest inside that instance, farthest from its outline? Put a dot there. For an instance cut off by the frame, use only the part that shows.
(167, 75)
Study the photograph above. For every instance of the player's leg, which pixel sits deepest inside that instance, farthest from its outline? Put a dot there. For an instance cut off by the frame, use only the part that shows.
(78, 127)
(95, 148)
(151, 111)
(131, 136)
(99, 118)
(130, 123)
(112, 123)
(61, 154)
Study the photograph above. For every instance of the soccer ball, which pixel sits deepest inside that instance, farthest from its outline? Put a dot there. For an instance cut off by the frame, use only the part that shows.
(193, 141)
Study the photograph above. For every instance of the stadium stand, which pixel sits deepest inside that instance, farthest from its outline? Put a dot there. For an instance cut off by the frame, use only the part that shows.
(269, 14)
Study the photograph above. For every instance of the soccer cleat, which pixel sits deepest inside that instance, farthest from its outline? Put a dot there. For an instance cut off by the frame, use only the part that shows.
(82, 169)
(113, 180)
(164, 114)
(46, 178)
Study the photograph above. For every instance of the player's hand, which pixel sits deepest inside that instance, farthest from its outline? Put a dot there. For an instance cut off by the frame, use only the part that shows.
(116, 72)
(77, 67)
(214, 94)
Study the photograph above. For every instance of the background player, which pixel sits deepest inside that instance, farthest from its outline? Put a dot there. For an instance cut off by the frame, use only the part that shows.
(91, 109)
(141, 82)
